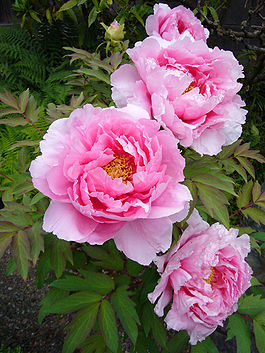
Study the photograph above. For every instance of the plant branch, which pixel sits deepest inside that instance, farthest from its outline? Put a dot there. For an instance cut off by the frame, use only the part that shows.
(6, 177)
(243, 208)
(28, 120)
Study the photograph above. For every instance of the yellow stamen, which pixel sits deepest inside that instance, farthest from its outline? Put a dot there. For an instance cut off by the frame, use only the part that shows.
(191, 86)
(120, 167)
(209, 279)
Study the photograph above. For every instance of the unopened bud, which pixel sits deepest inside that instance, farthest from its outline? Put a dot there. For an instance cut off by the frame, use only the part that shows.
(114, 32)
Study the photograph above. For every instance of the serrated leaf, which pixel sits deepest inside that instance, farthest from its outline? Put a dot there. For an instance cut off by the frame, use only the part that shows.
(23, 101)
(98, 282)
(206, 346)
(95, 74)
(68, 5)
(80, 327)
(238, 327)
(251, 305)
(259, 333)
(244, 196)
(257, 214)
(247, 165)
(125, 309)
(21, 252)
(74, 302)
(108, 325)
(178, 343)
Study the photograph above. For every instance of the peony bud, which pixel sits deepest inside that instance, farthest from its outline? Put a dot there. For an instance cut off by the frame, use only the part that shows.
(114, 32)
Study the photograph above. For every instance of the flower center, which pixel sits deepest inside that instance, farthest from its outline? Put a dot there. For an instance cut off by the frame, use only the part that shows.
(209, 279)
(191, 86)
(121, 167)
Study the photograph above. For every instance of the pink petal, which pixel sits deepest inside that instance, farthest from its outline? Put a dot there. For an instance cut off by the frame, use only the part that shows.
(141, 239)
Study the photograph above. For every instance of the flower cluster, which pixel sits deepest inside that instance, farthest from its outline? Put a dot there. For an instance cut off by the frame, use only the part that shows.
(113, 173)
(189, 88)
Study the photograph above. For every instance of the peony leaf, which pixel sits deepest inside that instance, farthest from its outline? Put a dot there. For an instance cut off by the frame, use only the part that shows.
(206, 346)
(259, 332)
(215, 181)
(214, 201)
(94, 343)
(178, 343)
(256, 191)
(251, 304)
(23, 101)
(53, 295)
(97, 282)
(244, 196)
(5, 240)
(238, 327)
(80, 328)
(227, 151)
(92, 16)
(108, 325)
(247, 165)
(68, 5)
(95, 74)
(9, 100)
(158, 330)
(260, 318)
(257, 214)
(74, 302)
(230, 166)
(21, 252)
(125, 309)
(36, 241)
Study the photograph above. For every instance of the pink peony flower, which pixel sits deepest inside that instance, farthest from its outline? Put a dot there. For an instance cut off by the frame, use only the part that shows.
(187, 87)
(112, 174)
(170, 24)
(207, 274)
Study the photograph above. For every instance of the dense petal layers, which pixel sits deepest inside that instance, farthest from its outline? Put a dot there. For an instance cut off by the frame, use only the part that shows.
(204, 275)
(189, 88)
(171, 24)
(110, 173)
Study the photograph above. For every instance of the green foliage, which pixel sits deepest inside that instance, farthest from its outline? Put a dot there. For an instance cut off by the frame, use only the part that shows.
(4, 349)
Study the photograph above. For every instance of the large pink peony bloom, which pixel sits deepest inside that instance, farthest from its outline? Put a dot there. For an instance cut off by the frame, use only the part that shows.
(171, 24)
(207, 274)
(187, 87)
(112, 174)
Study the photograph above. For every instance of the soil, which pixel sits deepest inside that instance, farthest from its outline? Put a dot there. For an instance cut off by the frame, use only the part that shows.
(19, 308)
